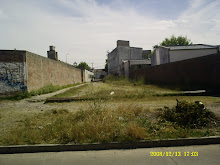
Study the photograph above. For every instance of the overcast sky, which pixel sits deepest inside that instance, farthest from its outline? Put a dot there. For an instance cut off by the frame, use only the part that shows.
(84, 30)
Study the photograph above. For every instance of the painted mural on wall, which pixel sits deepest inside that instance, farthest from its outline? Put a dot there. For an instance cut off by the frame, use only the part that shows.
(12, 77)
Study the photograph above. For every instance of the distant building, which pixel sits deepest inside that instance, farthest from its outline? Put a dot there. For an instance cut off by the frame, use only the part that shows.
(168, 54)
(87, 76)
(123, 57)
(99, 73)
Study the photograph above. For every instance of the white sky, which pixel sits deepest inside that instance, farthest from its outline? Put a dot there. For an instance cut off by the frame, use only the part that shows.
(84, 30)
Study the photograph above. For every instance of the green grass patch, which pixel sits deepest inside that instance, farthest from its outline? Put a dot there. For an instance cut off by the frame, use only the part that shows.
(49, 89)
(44, 90)
(126, 92)
(17, 96)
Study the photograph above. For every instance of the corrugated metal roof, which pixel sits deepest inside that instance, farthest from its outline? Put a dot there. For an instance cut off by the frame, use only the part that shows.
(194, 46)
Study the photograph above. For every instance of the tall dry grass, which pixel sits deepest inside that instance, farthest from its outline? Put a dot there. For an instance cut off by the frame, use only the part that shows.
(97, 123)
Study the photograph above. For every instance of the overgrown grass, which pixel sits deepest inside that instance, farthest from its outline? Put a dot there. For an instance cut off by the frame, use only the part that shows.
(44, 90)
(98, 123)
(119, 118)
(123, 89)
(122, 80)
(188, 115)
(17, 96)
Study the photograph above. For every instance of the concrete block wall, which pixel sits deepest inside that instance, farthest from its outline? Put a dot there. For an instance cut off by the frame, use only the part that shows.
(198, 73)
(12, 72)
(113, 62)
(136, 53)
(123, 53)
(42, 71)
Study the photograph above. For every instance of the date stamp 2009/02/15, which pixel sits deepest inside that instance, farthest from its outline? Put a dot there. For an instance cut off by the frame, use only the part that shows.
(162, 154)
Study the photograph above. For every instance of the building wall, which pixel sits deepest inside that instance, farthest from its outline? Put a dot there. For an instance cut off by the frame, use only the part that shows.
(119, 54)
(164, 55)
(88, 75)
(113, 62)
(123, 54)
(12, 72)
(160, 56)
(136, 53)
(133, 64)
(126, 66)
(153, 58)
(202, 72)
(179, 55)
(42, 71)
(99, 73)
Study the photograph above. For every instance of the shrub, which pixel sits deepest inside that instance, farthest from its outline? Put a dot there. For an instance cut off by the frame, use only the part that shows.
(188, 114)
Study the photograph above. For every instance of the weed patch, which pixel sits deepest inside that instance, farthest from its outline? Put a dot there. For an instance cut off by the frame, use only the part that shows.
(98, 123)
(188, 114)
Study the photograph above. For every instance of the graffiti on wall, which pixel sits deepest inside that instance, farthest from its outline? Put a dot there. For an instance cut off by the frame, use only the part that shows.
(12, 77)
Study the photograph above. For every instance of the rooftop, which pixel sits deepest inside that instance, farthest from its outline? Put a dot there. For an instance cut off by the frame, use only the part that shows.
(194, 46)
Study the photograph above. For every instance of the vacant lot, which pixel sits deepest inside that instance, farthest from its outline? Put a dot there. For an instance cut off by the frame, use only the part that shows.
(121, 111)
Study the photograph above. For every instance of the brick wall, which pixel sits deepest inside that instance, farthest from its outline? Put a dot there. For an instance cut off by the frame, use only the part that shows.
(193, 73)
(42, 71)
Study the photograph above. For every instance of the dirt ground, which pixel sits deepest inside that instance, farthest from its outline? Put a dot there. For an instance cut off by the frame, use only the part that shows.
(12, 112)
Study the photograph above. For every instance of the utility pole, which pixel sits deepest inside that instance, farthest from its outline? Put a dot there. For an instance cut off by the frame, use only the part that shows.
(92, 65)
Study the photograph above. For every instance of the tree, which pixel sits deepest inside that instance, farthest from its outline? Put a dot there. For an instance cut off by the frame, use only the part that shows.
(83, 65)
(173, 41)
